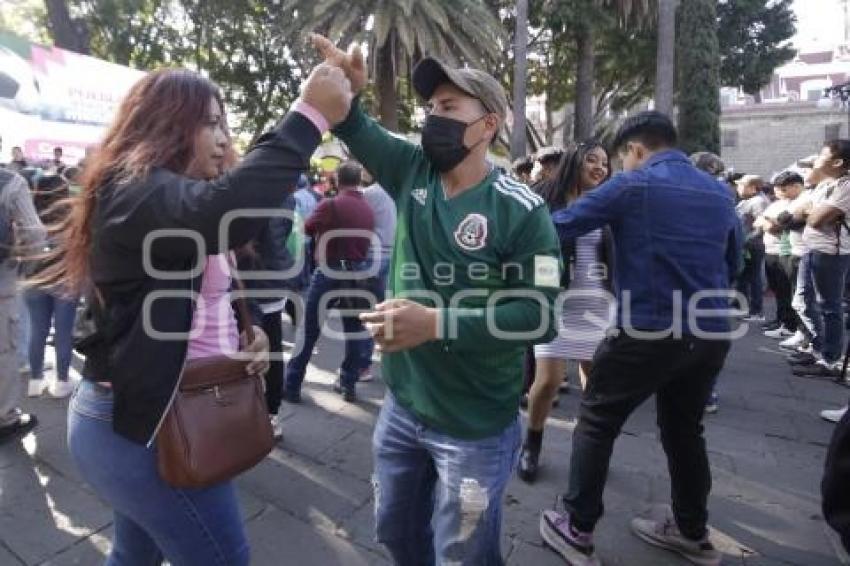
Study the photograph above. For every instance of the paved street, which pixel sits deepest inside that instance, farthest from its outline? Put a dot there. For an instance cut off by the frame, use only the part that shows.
(310, 502)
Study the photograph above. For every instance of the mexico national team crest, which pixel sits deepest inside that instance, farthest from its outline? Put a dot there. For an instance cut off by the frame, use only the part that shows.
(471, 234)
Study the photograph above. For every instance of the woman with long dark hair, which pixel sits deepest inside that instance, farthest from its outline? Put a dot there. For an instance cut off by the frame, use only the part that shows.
(587, 276)
(148, 241)
(50, 307)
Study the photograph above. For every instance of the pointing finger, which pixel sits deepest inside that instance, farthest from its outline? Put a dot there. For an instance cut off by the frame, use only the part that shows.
(325, 47)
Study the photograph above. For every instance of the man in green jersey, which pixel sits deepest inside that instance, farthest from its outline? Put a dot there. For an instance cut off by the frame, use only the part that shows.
(474, 276)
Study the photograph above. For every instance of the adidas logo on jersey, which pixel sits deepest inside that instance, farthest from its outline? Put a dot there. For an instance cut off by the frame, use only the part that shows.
(421, 195)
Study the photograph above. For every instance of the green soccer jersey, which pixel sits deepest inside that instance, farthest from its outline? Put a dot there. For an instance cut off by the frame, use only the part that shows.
(487, 258)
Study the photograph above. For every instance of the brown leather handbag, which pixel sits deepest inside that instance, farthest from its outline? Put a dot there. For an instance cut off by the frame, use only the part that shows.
(218, 425)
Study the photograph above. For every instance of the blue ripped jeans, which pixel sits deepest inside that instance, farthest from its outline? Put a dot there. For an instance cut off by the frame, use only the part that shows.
(438, 499)
(153, 521)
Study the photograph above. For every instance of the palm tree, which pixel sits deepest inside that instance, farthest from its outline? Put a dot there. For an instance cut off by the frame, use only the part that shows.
(630, 12)
(404, 31)
(642, 13)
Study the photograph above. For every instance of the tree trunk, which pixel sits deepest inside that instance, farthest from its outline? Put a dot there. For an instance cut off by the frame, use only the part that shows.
(584, 84)
(67, 33)
(550, 122)
(665, 70)
(520, 72)
(385, 86)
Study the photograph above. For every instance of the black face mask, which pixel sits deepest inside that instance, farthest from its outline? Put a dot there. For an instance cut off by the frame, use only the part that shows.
(442, 141)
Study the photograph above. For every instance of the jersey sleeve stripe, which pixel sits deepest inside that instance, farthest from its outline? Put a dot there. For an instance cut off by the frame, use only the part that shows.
(513, 194)
(537, 199)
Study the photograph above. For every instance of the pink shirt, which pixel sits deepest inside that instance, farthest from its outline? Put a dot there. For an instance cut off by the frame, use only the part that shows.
(214, 331)
(309, 112)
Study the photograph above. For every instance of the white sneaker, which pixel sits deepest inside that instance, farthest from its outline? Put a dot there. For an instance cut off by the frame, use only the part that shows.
(779, 333)
(37, 387)
(665, 534)
(794, 342)
(366, 375)
(833, 415)
(754, 318)
(277, 427)
(60, 389)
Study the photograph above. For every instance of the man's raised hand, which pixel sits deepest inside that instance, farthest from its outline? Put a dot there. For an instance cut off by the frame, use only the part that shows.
(352, 62)
(329, 91)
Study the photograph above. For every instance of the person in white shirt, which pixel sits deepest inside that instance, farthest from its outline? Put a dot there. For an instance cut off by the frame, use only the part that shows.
(824, 265)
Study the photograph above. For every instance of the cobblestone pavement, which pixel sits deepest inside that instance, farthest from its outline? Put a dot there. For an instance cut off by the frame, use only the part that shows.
(310, 501)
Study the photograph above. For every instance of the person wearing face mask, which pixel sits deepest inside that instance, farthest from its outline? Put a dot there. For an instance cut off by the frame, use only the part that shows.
(586, 313)
(447, 439)
(676, 241)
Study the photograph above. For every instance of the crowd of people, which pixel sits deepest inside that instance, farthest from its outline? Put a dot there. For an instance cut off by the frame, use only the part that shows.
(33, 200)
(478, 286)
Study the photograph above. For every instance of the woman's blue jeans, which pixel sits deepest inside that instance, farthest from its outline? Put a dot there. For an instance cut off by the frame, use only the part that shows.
(153, 521)
(46, 310)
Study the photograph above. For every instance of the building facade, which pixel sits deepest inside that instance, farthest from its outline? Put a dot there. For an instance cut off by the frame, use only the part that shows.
(764, 139)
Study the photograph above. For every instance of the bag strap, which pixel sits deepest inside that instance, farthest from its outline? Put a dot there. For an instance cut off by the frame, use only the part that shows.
(241, 301)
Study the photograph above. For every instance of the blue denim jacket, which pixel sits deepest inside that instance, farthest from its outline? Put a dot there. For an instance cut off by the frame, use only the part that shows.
(676, 237)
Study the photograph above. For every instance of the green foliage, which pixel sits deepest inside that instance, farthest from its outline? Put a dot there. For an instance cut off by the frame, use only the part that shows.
(699, 77)
(237, 44)
(754, 39)
(625, 54)
(137, 33)
(456, 31)
(26, 18)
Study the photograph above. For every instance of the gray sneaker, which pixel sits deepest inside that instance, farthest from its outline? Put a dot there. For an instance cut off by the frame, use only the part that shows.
(665, 534)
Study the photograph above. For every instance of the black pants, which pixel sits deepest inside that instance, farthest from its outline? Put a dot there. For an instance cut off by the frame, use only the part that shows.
(626, 372)
(273, 327)
(778, 269)
(290, 309)
(750, 281)
(791, 264)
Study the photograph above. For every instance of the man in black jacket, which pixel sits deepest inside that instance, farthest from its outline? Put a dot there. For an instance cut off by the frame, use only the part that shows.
(268, 253)
(836, 478)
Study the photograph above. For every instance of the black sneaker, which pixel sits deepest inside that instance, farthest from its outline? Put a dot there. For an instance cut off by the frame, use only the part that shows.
(349, 393)
(529, 463)
(802, 359)
(291, 396)
(25, 423)
(772, 325)
(820, 368)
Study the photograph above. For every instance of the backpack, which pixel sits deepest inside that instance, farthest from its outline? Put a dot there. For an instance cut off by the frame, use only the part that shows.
(7, 233)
